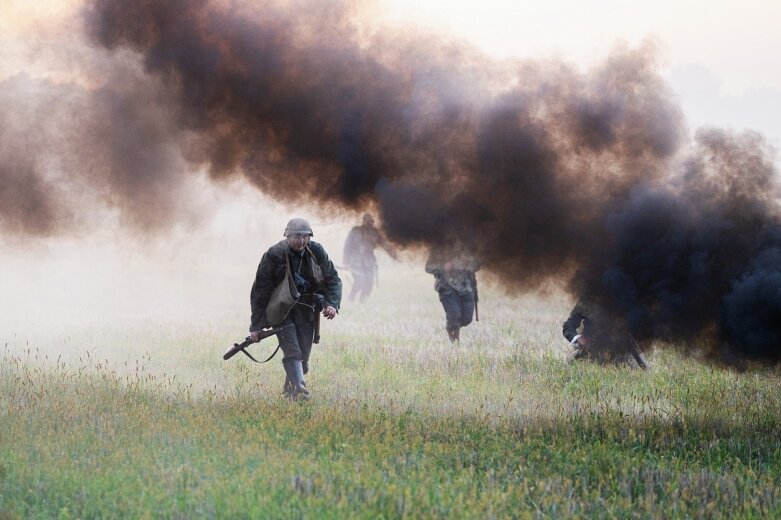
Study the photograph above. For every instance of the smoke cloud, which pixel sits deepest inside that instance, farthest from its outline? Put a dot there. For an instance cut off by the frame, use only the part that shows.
(548, 172)
(70, 152)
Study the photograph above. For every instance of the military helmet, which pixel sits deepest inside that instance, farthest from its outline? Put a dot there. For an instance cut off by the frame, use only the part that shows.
(298, 225)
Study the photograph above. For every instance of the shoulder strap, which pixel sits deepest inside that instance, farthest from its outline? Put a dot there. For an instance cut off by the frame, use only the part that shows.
(317, 269)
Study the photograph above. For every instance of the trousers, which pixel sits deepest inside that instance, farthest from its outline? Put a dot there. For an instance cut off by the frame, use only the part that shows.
(459, 308)
(296, 341)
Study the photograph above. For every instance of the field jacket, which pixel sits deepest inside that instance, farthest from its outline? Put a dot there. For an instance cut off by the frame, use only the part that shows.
(272, 270)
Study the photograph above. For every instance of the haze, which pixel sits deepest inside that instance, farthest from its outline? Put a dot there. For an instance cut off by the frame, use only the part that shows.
(721, 60)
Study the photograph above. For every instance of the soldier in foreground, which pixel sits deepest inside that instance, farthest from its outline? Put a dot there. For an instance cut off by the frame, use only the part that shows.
(455, 281)
(359, 256)
(295, 281)
(597, 337)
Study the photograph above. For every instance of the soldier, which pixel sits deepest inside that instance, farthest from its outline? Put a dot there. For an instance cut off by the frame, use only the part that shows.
(595, 336)
(359, 256)
(302, 262)
(454, 280)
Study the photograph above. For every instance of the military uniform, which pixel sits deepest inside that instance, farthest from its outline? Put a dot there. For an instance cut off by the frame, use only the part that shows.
(454, 280)
(319, 285)
(359, 257)
(578, 322)
(608, 340)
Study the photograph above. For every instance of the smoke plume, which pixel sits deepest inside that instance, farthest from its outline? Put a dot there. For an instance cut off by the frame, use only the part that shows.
(68, 151)
(548, 172)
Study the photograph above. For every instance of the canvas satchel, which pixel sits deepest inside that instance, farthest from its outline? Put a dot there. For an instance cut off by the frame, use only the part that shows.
(283, 298)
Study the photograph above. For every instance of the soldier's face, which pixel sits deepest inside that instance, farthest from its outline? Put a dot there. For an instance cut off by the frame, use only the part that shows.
(298, 241)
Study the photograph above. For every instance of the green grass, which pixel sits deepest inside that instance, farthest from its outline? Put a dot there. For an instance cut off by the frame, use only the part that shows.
(145, 420)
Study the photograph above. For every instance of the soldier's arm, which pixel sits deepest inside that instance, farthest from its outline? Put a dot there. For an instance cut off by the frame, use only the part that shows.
(332, 292)
(389, 249)
(261, 292)
(571, 325)
(382, 241)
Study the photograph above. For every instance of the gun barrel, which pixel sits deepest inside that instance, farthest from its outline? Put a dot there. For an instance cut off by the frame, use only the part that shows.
(236, 348)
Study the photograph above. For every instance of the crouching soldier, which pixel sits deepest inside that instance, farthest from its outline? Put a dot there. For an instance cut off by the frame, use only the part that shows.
(595, 336)
(295, 281)
(454, 280)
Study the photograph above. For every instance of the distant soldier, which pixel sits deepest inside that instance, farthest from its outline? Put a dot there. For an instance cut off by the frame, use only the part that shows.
(595, 336)
(455, 281)
(303, 266)
(359, 256)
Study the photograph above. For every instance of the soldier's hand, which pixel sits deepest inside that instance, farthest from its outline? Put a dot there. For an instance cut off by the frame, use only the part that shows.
(329, 312)
(254, 335)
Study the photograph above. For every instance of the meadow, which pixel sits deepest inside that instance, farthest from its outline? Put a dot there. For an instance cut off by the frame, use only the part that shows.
(140, 417)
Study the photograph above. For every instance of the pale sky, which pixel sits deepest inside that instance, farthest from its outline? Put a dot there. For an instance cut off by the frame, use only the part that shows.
(738, 40)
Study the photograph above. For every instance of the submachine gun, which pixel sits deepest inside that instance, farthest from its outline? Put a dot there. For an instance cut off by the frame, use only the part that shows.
(241, 347)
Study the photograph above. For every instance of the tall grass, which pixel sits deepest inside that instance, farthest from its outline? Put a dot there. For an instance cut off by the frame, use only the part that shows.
(144, 420)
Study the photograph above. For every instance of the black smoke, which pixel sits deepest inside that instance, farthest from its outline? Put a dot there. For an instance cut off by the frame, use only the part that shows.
(695, 258)
(304, 104)
(552, 173)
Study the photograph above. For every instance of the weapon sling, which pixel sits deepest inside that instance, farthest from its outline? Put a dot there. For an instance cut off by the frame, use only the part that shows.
(241, 347)
(265, 360)
(316, 331)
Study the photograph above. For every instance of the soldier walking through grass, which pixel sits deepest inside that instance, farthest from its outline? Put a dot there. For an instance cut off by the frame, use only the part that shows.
(359, 256)
(454, 279)
(296, 276)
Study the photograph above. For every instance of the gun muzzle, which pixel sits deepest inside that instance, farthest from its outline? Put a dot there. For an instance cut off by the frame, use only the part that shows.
(236, 348)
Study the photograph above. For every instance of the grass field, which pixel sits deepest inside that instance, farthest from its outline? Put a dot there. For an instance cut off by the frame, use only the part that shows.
(139, 417)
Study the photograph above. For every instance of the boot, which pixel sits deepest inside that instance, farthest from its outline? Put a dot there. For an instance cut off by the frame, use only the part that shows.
(453, 334)
(295, 387)
(287, 388)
